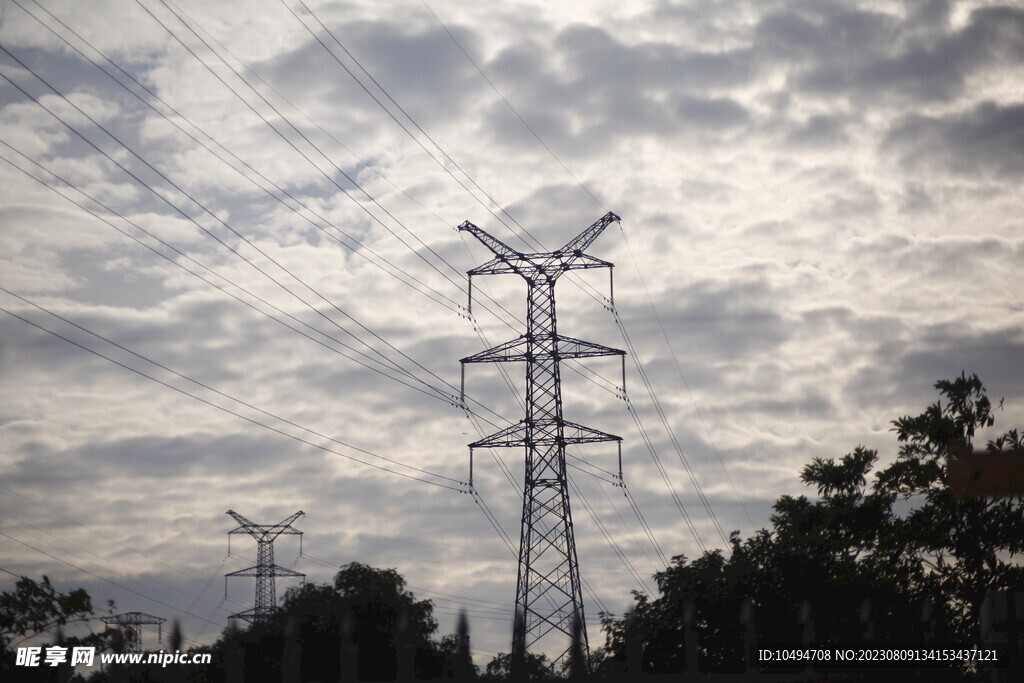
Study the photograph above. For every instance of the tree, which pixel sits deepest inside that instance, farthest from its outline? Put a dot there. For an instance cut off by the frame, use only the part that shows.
(536, 667)
(865, 571)
(966, 545)
(35, 608)
(369, 607)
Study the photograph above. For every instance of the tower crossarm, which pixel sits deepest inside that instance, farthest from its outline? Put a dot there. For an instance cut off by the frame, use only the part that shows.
(518, 350)
(284, 527)
(517, 435)
(245, 526)
(133, 619)
(493, 243)
(514, 435)
(583, 240)
(265, 532)
(274, 570)
(508, 352)
(569, 347)
(520, 265)
(548, 264)
(131, 624)
(557, 263)
(577, 433)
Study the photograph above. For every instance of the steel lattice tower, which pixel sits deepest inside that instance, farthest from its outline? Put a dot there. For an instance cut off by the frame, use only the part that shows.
(265, 570)
(131, 623)
(548, 594)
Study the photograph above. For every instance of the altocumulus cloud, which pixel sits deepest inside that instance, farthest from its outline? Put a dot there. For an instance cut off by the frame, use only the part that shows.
(821, 218)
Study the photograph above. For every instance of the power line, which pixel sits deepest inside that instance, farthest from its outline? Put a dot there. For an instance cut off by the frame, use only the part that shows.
(101, 578)
(594, 466)
(67, 544)
(635, 263)
(511, 108)
(309, 142)
(438, 395)
(444, 167)
(210, 213)
(304, 138)
(254, 421)
(679, 368)
(389, 112)
(668, 428)
(172, 371)
(218, 392)
(360, 248)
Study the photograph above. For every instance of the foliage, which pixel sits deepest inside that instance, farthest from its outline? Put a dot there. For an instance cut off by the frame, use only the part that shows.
(536, 667)
(367, 609)
(37, 609)
(859, 570)
(880, 554)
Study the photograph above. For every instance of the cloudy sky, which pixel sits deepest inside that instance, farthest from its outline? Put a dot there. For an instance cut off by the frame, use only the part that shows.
(230, 274)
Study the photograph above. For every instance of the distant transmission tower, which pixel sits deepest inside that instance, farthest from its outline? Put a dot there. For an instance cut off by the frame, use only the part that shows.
(131, 624)
(265, 570)
(548, 595)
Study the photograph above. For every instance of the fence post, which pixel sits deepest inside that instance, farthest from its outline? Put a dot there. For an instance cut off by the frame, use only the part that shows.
(175, 674)
(405, 649)
(463, 669)
(634, 647)
(928, 619)
(865, 618)
(234, 658)
(63, 672)
(806, 618)
(349, 669)
(749, 634)
(291, 657)
(577, 657)
(690, 637)
(1001, 614)
(517, 661)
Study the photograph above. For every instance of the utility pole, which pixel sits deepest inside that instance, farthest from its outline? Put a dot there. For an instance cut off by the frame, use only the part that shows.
(265, 570)
(548, 593)
(131, 624)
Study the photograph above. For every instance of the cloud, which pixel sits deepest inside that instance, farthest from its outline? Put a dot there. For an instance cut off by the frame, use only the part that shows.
(817, 132)
(597, 87)
(983, 141)
(821, 205)
(871, 55)
(709, 318)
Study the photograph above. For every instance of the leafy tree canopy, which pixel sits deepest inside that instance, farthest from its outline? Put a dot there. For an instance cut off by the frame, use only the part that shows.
(854, 567)
(37, 607)
(367, 610)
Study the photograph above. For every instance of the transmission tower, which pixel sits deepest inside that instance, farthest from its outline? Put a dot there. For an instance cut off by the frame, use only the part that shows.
(131, 624)
(548, 595)
(265, 570)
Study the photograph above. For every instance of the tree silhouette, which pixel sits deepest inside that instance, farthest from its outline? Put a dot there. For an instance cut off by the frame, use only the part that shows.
(535, 667)
(367, 609)
(36, 608)
(846, 568)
